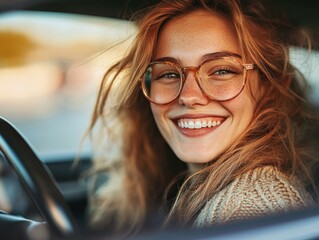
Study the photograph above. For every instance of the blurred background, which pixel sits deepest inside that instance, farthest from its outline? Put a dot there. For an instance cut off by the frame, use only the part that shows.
(51, 65)
(53, 54)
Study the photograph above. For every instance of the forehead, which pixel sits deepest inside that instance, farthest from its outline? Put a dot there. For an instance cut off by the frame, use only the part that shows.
(196, 34)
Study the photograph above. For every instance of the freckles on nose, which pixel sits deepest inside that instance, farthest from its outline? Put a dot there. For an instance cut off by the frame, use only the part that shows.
(191, 93)
(189, 89)
(191, 86)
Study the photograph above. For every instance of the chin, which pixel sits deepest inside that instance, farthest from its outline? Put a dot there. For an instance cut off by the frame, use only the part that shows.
(198, 158)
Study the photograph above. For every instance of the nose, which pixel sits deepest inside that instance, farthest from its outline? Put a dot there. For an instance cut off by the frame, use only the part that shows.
(191, 93)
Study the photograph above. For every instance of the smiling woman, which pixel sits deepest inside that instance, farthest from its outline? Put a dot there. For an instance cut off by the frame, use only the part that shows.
(211, 119)
(220, 99)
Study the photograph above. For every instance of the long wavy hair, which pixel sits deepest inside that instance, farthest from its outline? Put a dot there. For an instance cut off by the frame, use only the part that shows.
(139, 165)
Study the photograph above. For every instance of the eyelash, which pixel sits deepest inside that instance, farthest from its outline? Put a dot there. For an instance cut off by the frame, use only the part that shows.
(168, 75)
(226, 70)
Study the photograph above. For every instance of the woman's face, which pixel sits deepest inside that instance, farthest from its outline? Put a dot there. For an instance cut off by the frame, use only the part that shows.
(189, 40)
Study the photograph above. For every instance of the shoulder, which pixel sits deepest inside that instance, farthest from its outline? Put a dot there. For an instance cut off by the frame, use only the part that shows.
(257, 192)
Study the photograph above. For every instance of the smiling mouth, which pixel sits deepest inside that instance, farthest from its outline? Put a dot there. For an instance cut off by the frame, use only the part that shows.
(198, 124)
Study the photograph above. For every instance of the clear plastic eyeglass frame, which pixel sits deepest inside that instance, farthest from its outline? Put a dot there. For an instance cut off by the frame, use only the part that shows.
(182, 71)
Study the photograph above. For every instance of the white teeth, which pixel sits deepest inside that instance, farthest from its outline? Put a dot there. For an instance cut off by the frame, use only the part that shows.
(197, 124)
(204, 124)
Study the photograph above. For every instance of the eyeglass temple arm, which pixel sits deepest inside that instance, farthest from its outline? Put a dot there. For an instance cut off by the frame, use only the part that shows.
(249, 66)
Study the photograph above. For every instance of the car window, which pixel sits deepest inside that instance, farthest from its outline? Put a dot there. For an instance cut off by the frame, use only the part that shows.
(307, 62)
(51, 66)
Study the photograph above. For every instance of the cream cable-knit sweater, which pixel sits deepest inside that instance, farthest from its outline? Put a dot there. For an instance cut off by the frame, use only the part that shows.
(258, 192)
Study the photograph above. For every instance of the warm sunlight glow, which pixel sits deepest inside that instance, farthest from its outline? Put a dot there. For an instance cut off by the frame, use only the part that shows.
(55, 58)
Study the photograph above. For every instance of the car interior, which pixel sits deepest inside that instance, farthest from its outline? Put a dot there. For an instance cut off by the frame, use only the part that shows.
(45, 158)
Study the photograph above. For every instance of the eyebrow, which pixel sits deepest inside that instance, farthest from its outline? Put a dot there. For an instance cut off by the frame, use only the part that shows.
(207, 56)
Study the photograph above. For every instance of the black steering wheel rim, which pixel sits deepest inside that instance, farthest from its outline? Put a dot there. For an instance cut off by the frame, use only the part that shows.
(37, 180)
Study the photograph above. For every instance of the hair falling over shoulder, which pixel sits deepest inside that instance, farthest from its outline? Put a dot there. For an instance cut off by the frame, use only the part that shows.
(144, 166)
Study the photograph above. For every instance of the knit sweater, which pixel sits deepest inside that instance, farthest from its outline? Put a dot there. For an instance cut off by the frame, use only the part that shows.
(258, 192)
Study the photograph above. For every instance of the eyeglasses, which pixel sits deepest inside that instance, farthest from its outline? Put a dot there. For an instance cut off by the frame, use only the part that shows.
(221, 79)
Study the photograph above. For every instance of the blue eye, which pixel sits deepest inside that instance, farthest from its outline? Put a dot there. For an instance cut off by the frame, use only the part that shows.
(223, 71)
(171, 75)
(167, 76)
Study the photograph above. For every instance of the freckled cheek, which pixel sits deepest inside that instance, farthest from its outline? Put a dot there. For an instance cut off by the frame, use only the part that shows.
(155, 109)
(161, 121)
(158, 113)
(241, 108)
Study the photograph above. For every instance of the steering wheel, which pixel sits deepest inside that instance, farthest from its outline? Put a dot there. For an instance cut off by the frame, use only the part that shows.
(38, 182)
